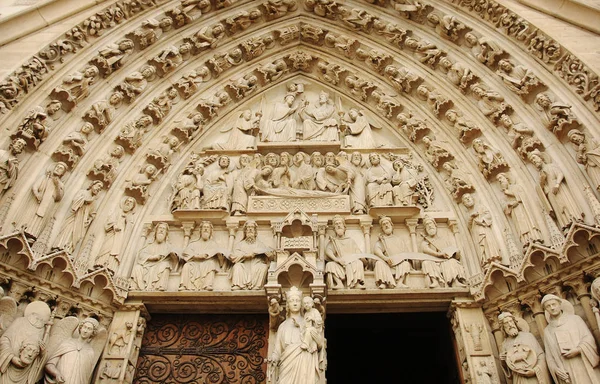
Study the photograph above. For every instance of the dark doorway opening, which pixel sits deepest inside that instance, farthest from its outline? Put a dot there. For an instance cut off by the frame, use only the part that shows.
(381, 348)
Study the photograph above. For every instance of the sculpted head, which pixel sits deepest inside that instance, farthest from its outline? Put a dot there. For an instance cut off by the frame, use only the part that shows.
(576, 137)
(386, 225)
(468, 200)
(28, 352)
(37, 313)
(128, 204)
(161, 232)
(430, 225)
(339, 225)
(552, 305)
(294, 300)
(307, 303)
(508, 324)
(88, 328)
(250, 230)
(206, 230)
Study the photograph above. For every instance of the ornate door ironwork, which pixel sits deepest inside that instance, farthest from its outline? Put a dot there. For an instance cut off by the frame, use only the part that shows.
(224, 349)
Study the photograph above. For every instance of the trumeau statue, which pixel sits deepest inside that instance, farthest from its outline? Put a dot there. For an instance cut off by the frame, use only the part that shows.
(299, 353)
(23, 345)
(571, 350)
(155, 261)
(74, 348)
(250, 259)
(523, 359)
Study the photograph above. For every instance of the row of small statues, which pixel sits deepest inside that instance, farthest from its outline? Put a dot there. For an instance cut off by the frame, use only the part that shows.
(375, 182)
(248, 262)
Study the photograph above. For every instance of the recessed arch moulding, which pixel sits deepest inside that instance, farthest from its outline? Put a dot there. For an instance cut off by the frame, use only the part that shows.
(149, 124)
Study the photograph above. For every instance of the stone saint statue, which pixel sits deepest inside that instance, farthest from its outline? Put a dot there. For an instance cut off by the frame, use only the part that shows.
(201, 261)
(22, 347)
(47, 190)
(571, 350)
(389, 245)
(299, 352)
(83, 212)
(73, 350)
(318, 121)
(343, 255)
(523, 359)
(155, 262)
(250, 260)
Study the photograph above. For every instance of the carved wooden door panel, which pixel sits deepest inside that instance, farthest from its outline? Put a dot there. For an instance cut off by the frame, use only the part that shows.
(223, 349)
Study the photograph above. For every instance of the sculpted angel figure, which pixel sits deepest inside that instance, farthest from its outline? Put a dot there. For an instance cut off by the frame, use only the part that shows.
(358, 132)
(73, 351)
(242, 132)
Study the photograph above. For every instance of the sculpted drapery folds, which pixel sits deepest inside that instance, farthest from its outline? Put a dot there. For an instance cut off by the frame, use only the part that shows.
(343, 265)
(117, 228)
(201, 261)
(22, 346)
(523, 359)
(588, 154)
(83, 212)
(217, 186)
(319, 121)
(281, 124)
(379, 187)
(73, 351)
(299, 353)
(250, 258)
(480, 223)
(571, 350)
(155, 261)
(554, 186)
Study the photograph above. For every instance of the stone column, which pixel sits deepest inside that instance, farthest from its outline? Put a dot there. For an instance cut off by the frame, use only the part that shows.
(581, 289)
(322, 229)
(117, 363)
(188, 228)
(492, 319)
(412, 228)
(534, 303)
(366, 229)
(473, 341)
(233, 228)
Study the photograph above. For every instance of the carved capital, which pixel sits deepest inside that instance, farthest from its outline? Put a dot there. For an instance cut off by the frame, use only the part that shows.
(412, 225)
(533, 302)
(579, 287)
(188, 228)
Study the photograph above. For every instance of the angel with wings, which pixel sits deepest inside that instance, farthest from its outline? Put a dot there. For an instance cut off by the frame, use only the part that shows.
(74, 348)
(358, 130)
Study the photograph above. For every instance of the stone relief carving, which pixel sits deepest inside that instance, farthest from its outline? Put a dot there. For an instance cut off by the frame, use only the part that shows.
(402, 78)
(344, 266)
(458, 73)
(75, 87)
(448, 271)
(113, 56)
(250, 259)
(170, 58)
(522, 358)
(210, 106)
(491, 160)
(150, 31)
(102, 112)
(414, 128)
(47, 191)
(242, 20)
(82, 213)
(467, 129)
(563, 204)
(106, 169)
(435, 152)
(138, 186)
(155, 261)
(490, 102)
(23, 345)
(319, 122)
(556, 116)
(587, 154)
(425, 51)
(299, 349)
(389, 247)
(274, 9)
(485, 49)
(480, 223)
(34, 128)
(347, 46)
(161, 105)
(136, 82)
(520, 136)
(203, 258)
(189, 83)
(570, 346)
(74, 348)
(458, 182)
(447, 26)
(516, 208)
(221, 62)
(517, 78)
(132, 133)
(118, 229)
